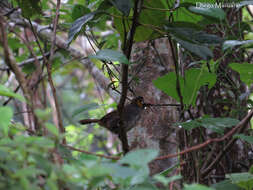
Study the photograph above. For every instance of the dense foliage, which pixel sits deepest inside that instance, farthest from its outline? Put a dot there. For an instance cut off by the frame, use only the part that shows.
(59, 60)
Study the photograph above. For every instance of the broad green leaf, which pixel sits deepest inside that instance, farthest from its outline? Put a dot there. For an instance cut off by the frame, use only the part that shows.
(189, 32)
(144, 186)
(194, 79)
(232, 43)
(196, 187)
(29, 7)
(189, 125)
(120, 172)
(4, 91)
(78, 11)
(123, 6)
(45, 114)
(139, 158)
(5, 119)
(85, 108)
(226, 184)
(244, 3)
(216, 13)
(217, 125)
(52, 129)
(29, 172)
(244, 180)
(166, 180)
(147, 18)
(248, 139)
(110, 55)
(200, 50)
(78, 24)
(245, 70)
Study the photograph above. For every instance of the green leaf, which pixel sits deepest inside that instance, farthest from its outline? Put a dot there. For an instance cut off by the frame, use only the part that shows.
(216, 13)
(189, 32)
(29, 7)
(85, 108)
(123, 6)
(196, 187)
(217, 125)
(5, 119)
(29, 171)
(110, 55)
(4, 91)
(44, 114)
(78, 24)
(166, 180)
(200, 50)
(244, 3)
(248, 139)
(226, 184)
(244, 180)
(155, 17)
(232, 43)
(144, 186)
(245, 70)
(78, 11)
(52, 129)
(139, 158)
(194, 79)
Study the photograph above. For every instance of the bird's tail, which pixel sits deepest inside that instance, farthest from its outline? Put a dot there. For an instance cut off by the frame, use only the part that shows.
(87, 121)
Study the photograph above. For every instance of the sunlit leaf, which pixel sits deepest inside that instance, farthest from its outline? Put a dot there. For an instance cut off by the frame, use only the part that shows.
(166, 180)
(189, 85)
(110, 55)
(4, 91)
(232, 43)
(245, 70)
(5, 119)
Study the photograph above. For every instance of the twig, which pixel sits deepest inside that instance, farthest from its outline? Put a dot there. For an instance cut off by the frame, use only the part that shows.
(160, 105)
(49, 69)
(124, 80)
(10, 98)
(199, 146)
(9, 60)
(92, 153)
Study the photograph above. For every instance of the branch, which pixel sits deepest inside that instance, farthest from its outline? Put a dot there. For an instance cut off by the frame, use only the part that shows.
(91, 153)
(242, 123)
(124, 80)
(10, 61)
(26, 62)
(49, 71)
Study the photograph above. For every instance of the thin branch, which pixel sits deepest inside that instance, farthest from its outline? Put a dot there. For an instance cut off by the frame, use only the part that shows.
(10, 61)
(92, 153)
(124, 80)
(26, 62)
(241, 124)
(177, 74)
(49, 70)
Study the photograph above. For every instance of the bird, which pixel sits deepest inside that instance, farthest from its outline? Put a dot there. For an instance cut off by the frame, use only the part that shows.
(111, 121)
